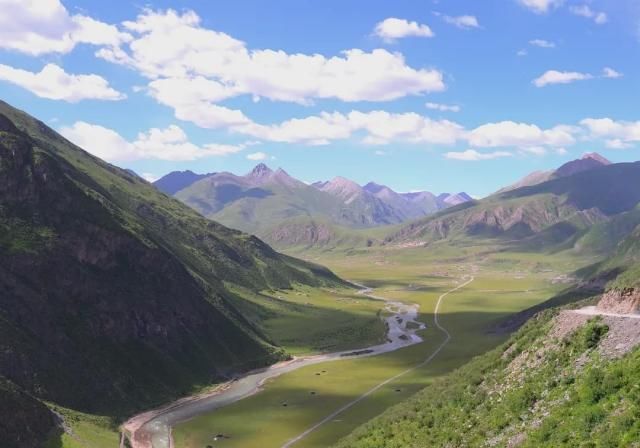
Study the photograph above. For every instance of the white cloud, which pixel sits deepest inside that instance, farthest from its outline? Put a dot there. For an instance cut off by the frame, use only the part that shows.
(257, 156)
(618, 134)
(163, 144)
(378, 127)
(312, 130)
(472, 155)
(392, 29)
(557, 77)
(586, 11)
(174, 46)
(443, 107)
(193, 99)
(54, 83)
(521, 135)
(464, 22)
(534, 150)
(38, 27)
(608, 72)
(541, 6)
(384, 127)
(542, 43)
(522, 52)
(617, 143)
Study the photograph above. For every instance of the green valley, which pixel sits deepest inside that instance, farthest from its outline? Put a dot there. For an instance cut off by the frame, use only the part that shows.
(503, 284)
(319, 224)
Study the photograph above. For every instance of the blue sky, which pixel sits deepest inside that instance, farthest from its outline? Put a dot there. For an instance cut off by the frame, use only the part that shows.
(439, 95)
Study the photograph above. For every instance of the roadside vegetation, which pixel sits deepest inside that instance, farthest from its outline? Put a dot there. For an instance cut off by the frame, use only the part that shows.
(535, 390)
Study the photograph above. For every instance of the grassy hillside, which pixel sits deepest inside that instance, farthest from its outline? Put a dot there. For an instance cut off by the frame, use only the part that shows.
(553, 214)
(114, 296)
(553, 384)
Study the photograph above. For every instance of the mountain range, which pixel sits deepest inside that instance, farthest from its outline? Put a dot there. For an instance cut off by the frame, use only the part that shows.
(286, 211)
(588, 202)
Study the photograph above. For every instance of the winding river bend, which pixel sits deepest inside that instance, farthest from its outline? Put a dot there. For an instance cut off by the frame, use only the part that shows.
(153, 429)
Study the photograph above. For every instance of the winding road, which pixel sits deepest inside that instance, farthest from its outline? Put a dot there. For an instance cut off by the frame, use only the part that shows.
(152, 429)
(389, 380)
(594, 311)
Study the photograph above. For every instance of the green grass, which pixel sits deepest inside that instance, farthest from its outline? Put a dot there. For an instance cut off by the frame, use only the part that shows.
(555, 404)
(505, 283)
(84, 431)
(307, 320)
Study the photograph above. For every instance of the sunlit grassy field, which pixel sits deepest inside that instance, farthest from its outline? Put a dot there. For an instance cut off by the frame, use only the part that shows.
(308, 320)
(85, 431)
(504, 283)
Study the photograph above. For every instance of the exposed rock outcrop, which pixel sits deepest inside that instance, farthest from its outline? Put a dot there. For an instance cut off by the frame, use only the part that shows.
(620, 301)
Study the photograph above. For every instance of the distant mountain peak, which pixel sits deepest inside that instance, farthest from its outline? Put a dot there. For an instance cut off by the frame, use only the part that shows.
(597, 157)
(340, 181)
(586, 162)
(343, 188)
(455, 199)
(175, 181)
(261, 170)
(373, 187)
(281, 177)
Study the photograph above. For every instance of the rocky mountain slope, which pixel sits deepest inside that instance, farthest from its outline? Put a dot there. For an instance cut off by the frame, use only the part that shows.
(550, 213)
(113, 296)
(586, 162)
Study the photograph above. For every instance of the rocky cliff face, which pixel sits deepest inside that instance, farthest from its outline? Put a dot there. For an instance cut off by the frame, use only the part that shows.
(621, 301)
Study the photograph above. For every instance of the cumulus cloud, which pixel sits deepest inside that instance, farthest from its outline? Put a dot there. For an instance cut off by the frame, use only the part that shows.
(521, 135)
(392, 29)
(617, 143)
(177, 53)
(608, 72)
(586, 12)
(257, 156)
(471, 155)
(52, 82)
(377, 128)
(618, 134)
(557, 77)
(382, 128)
(542, 43)
(442, 107)
(464, 22)
(39, 27)
(534, 150)
(541, 6)
(170, 143)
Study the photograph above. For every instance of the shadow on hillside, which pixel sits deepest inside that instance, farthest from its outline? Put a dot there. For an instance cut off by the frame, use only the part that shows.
(513, 322)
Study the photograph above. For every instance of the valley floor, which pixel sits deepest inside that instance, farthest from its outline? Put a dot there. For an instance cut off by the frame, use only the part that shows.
(326, 402)
(504, 284)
